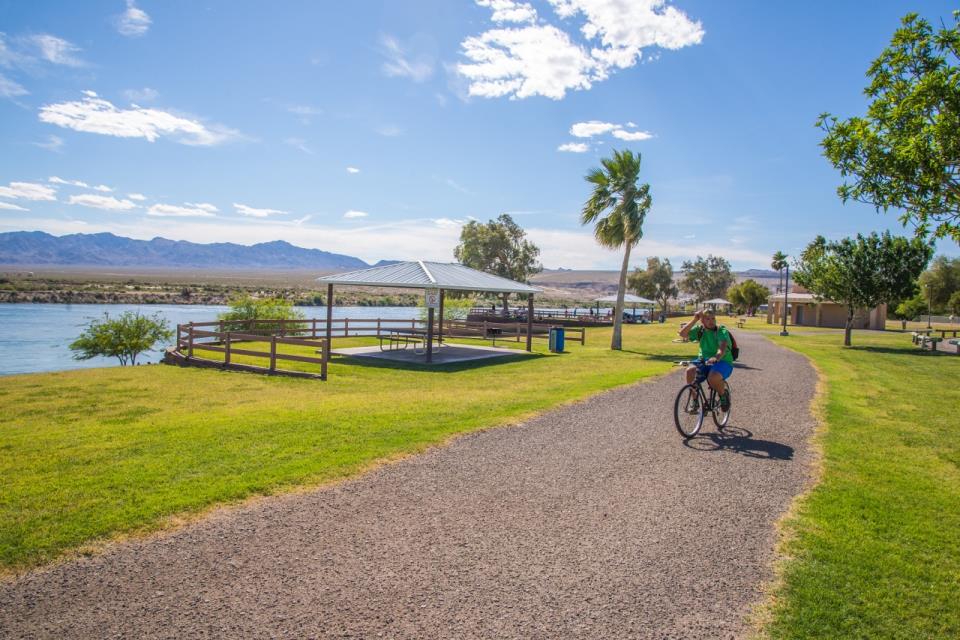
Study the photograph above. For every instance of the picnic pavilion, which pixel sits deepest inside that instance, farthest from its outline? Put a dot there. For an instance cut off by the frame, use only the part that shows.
(628, 298)
(434, 278)
(718, 302)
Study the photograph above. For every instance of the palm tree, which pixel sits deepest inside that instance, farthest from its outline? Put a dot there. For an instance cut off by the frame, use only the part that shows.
(778, 264)
(618, 206)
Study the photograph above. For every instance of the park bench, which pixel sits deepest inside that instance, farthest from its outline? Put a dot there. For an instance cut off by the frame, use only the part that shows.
(741, 322)
(929, 340)
(956, 343)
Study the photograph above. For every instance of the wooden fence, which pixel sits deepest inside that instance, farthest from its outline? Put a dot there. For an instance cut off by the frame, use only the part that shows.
(191, 339)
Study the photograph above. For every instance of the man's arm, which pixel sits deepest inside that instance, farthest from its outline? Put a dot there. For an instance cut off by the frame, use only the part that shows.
(685, 330)
(721, 350)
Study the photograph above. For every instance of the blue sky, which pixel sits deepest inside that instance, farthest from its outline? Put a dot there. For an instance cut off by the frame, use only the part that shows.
(376, 129)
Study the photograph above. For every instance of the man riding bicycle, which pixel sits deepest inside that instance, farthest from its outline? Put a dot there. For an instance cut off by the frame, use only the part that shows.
(716, 359)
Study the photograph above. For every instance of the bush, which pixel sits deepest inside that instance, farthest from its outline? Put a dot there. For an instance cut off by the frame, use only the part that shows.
(247, 308)
(123, 338)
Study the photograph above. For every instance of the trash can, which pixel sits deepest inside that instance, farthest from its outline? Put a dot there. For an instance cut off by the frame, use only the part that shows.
(663, 318)
(556, 339)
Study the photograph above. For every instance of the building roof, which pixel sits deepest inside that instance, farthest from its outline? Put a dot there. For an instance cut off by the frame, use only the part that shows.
(717, 301)
(627, 297)
(798, 297)
(429, 275)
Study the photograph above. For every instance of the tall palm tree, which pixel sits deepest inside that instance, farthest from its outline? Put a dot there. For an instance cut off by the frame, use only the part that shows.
(617, 206)
(778, 264)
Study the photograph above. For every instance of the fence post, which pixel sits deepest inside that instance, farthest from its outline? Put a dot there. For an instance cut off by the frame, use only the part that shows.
(190, 343)
(177, 343)
(346, 327)
(517, 331)
(226, 348)
(313, 332)
(273, 353)
(324, 357)
(378, 327)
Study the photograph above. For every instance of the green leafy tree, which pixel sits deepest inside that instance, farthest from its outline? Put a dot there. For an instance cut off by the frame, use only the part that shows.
(499, 247)
(655, 282)
(905, 153)
(124, 337)
(778, 264)
(953, 304)
(617, 208)
(940, 281)
(748, 295)
(862, 272)
(245, 308)
(909, 309)
(706, 278)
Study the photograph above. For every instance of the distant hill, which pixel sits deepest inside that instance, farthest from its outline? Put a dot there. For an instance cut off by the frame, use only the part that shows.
(106, 249)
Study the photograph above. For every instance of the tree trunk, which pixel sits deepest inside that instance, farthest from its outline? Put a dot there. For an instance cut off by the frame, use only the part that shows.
(848, 329)
(616, 340)
(506, 306)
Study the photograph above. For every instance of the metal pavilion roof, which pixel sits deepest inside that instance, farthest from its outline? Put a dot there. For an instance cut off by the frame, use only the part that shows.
(429, 275)
(717, 301)
(627, 297)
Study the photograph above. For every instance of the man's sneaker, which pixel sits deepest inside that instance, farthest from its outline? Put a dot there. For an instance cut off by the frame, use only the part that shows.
(725, 401)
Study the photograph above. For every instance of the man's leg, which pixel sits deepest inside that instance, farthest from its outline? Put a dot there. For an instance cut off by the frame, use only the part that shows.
(715, 380)
(691, 374)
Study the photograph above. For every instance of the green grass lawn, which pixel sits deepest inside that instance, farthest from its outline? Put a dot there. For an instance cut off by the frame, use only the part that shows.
(874, 550)
(93, 454)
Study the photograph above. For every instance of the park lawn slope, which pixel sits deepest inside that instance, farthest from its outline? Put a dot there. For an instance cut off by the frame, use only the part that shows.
(873, 551)
(89, 455)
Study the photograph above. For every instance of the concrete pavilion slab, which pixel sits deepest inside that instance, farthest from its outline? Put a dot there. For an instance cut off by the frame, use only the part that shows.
(447, 354)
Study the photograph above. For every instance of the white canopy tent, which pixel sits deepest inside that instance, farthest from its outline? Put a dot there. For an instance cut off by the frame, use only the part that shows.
(441, 276)
(628, 298)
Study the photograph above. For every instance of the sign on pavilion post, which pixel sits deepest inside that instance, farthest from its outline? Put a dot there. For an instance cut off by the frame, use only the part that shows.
(432, 298)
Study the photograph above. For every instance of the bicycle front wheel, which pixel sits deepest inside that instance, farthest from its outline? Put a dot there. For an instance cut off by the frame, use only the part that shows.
(688, 411)
(721, 417)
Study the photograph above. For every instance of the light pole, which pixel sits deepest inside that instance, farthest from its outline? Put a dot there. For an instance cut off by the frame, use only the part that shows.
(929, 326)
(786, 287)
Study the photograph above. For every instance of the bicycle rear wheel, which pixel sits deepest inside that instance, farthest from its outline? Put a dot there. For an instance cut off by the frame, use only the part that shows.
(721, 417)
(688, 411)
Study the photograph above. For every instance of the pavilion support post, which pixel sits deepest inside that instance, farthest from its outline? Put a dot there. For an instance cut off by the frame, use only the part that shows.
(530, 323)
(430, 334)
(329, 330)
(440, 323)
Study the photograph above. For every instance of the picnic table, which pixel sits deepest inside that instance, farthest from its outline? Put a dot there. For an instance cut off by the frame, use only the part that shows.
(943, 332)
(397, 339)
(741, 322)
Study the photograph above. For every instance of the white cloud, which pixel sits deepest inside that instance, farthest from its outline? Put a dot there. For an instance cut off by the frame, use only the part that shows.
(53, 143)
(520, 63)
(574, 147)
(404, 63)
(252, 212)
(591, 128)
(304, 110)
(509, 11)
(9, 206)
(352, 214)
(93, 114)
(141, 95)
(102, 188)
(204, 206)
(139, 197)
(353, 170)
(107, 203)
(622, 134)
(134, 22)
(57, 50)
(390, 130)
(72, 183)
(541, 59)
(187, 211)
(299, 143)
(28, 191)
(10, 89)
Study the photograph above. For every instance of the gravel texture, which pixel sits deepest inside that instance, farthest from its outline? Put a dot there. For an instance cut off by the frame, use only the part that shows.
(595, 520)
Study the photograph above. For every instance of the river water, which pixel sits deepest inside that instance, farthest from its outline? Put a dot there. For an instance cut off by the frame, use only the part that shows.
(36, 337)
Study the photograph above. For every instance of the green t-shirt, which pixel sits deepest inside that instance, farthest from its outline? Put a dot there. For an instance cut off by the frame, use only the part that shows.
(710, 342)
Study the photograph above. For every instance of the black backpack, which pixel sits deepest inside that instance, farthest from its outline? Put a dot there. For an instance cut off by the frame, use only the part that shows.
(734, 347)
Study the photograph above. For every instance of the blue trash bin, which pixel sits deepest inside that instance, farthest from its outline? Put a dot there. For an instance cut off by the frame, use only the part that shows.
(556, 339)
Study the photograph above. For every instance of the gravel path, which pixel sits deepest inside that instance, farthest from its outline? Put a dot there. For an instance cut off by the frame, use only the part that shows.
(591, 521)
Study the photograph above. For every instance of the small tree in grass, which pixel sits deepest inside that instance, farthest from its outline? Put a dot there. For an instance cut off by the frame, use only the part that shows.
(862, 272)
(909, 309)
(748, 295)
(247, 308)
(124, 337)
(655, 282)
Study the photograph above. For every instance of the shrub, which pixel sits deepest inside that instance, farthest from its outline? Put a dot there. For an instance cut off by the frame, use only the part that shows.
(123, 338)
(247, 308)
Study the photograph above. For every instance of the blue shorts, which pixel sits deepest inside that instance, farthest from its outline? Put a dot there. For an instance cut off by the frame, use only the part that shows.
(722, 367)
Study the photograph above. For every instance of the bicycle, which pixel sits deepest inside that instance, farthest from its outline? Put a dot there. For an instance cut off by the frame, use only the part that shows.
(692, 403)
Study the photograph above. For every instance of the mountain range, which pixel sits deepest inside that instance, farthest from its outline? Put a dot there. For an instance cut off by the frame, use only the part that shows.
(109, 250)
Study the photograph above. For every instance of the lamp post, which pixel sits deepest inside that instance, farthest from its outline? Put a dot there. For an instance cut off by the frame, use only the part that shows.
(786, 287)
(929, 326)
